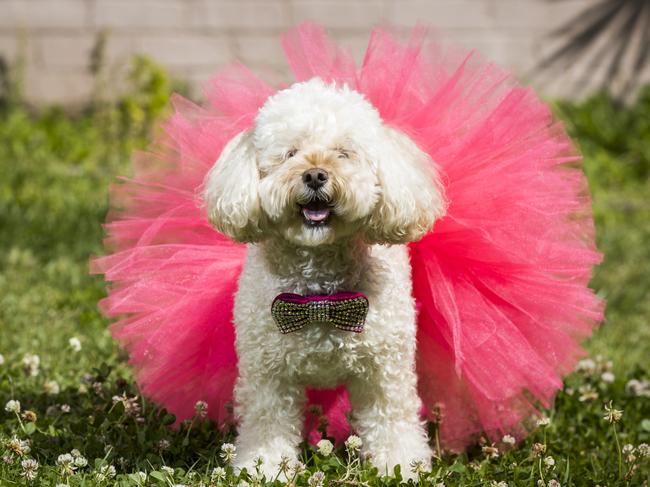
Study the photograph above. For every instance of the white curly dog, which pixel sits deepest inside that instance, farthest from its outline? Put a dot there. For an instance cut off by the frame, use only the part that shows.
(326, 195)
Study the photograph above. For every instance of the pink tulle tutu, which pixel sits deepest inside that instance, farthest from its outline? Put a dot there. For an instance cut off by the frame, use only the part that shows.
(500, 284)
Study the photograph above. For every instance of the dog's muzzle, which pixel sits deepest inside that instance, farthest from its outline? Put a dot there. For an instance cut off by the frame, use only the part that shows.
(346, 311)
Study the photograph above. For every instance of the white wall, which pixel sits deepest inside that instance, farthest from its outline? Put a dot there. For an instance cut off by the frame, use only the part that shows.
(193, 38)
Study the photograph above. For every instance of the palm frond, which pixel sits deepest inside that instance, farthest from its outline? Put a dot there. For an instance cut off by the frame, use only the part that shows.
(608, 36)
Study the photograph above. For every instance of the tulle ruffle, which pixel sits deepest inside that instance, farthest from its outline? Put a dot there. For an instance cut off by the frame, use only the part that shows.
(501, 283)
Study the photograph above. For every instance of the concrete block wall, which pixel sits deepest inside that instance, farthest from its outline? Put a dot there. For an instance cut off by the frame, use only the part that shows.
(193, 38)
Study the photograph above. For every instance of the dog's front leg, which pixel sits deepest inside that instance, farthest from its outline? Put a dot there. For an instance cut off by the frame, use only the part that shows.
(386, 414)
(270, 415)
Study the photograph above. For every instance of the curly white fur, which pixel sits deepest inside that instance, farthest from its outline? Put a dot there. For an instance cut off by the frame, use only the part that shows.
(382, 190)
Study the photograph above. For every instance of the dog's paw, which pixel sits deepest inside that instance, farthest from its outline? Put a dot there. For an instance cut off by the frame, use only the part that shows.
(257, 468)
(411, 452)
(410, 468)
(269, 464)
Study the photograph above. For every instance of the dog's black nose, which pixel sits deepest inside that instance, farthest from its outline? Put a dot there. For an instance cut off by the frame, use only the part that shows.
(315, 178)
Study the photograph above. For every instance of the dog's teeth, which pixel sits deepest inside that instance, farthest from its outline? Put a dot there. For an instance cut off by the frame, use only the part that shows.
(316, 215)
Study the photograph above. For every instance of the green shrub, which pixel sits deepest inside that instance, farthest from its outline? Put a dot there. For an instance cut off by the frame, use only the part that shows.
(614, 138)
(55, 168)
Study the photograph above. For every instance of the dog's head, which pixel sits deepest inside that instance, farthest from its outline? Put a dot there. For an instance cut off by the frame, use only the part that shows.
(320, 165)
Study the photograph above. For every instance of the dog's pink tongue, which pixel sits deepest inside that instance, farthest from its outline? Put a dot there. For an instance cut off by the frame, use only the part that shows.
(316, 215)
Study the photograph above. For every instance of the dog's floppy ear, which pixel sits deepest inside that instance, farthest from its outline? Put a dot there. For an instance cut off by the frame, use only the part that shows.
(231, 190)
(411, 196)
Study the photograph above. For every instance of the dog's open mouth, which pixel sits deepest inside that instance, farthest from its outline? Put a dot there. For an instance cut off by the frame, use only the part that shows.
(316, 213)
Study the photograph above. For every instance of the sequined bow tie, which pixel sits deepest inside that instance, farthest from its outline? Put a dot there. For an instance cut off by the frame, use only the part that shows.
(346, 311)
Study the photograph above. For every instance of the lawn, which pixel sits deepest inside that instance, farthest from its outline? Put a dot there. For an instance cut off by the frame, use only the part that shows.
(80, 420)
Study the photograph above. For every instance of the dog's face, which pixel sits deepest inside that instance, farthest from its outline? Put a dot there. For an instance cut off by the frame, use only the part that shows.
(319, 165)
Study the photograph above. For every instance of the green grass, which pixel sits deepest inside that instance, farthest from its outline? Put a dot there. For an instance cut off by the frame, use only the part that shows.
(54, 174)
(616, 144)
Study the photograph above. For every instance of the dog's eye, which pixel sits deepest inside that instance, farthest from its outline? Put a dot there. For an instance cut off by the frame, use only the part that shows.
(291, 153)
(343, 154)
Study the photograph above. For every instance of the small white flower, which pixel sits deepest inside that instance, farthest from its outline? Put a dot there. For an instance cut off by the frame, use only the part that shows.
(201, 409)
(12, 406)
(418, 466)
(586, 366)
(168, 470)
(627, 449)
(163, 444)
(297, 468)
(353, 443)
(218, 474)
(283, 466)
(325, 447)
(257, 478)
(243, 483)
(508, 440)
(317, 479)
(554, 483)
(499, 484)
(19, 447)
(106, 472)
(65, 408)
(66, 462)
(587, 393)
(75, 453)
(607, 377)
(644, 450)
(30, 416)
(612, 415)
(131, 405)
(75, 344)
(142, 476)
(543, 421)
(228, 452)
(490, 451)
(2, 359)
(538, 449)
(80, 462)
(30, 468)
(31, 364)
(549, 462)
(604, 364)
(51, 387)
(638, 388)
(65, 459)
